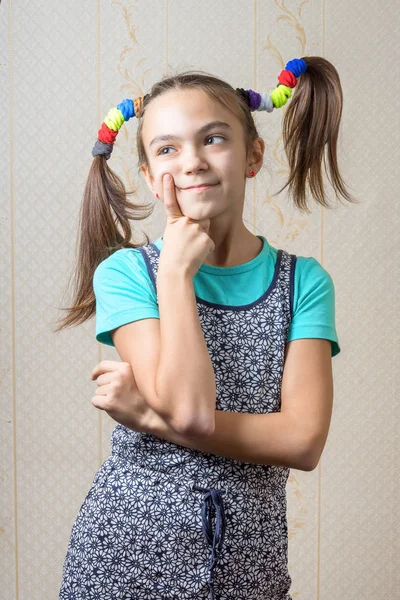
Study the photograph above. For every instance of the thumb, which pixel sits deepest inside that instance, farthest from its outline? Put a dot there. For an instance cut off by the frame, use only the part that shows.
(172, 207)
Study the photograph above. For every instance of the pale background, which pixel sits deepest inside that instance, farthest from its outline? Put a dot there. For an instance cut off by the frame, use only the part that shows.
(63, 65)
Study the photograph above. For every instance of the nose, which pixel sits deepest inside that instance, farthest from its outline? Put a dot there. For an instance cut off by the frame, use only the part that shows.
(193, 161)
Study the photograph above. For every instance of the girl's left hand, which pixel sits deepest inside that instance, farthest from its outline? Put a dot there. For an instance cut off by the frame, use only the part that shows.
(118, 394)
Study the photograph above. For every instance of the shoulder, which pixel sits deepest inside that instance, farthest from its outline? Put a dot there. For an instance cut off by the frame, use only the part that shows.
(313, 310)
(124, 266)
(123, 273)
(310, 274)
(123, 291)
(121, 260)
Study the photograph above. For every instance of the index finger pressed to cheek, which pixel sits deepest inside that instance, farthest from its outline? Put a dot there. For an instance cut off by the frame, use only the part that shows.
(167, 182)
(169, 191)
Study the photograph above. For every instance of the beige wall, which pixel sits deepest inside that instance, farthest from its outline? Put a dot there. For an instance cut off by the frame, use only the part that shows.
(62, 66)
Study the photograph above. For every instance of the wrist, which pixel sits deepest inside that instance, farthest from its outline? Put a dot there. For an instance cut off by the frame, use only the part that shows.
(169, 272)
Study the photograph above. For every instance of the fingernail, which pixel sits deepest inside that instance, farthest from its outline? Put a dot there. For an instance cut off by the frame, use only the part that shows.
(167, 178)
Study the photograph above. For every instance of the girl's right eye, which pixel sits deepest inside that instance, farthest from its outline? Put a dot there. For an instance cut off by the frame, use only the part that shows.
(160, 152)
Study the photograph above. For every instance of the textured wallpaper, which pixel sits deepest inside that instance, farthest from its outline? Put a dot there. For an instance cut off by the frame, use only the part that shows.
(63, 65)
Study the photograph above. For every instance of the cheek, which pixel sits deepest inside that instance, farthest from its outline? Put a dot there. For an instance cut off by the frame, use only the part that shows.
(156, 181)
(234, 173)
(158, 177)
(233, 165)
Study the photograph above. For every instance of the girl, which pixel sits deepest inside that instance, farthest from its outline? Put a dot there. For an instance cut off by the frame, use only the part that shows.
(226, 345)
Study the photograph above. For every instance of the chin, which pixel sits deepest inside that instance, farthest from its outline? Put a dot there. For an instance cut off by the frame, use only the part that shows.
(198, 207)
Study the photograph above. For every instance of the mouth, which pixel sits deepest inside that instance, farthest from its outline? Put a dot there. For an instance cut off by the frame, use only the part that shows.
(201, 187)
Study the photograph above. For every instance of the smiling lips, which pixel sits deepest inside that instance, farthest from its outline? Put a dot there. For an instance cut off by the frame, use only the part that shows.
(200, 186)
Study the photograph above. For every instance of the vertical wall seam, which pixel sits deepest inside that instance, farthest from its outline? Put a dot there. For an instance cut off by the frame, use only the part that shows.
(322, 215)
(255, 88)
(166, 36)
(99, 350)
(12, 279)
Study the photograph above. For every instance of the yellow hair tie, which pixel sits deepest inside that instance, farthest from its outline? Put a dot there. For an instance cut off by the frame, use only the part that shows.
(114, 119)
(280, 95)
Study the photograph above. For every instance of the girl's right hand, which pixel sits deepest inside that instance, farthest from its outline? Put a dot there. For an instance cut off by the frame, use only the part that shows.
(186, 243)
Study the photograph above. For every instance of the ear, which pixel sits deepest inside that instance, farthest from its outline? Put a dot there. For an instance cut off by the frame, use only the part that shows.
(256, 154)
(148, 177)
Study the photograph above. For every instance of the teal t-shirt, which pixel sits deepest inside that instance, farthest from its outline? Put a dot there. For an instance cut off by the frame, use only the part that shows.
(124, 291)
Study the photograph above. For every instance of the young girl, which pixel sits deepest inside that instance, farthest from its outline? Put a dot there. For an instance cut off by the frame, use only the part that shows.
(226, 345)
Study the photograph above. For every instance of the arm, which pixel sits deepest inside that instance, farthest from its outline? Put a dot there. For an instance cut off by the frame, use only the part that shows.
(185, 382)
(294, 437)
(268, 439)
(161, 354)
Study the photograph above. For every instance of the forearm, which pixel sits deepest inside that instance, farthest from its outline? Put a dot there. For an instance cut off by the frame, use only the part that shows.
(268, 439)
(185, 381)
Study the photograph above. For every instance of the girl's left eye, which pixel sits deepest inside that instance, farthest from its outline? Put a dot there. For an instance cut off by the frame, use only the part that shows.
(214, 136)
(167, 147)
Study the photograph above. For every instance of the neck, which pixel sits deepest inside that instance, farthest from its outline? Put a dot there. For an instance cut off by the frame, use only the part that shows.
(233, 250)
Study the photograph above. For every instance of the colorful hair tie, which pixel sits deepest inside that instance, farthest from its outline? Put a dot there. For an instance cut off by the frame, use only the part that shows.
(128, 108)
(279, 96)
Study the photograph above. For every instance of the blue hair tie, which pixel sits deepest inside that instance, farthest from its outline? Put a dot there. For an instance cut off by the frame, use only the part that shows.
(297, 66)
(127, 109)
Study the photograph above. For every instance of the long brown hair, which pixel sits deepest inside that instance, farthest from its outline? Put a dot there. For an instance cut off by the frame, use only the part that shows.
(310, 126)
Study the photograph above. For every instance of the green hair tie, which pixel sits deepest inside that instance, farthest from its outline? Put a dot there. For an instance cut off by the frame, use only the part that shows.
(280, 95)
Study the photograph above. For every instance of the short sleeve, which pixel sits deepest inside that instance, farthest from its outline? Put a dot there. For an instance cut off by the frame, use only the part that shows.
(124, 292)
(313, 303)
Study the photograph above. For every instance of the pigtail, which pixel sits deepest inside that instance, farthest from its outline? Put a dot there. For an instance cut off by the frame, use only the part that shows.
(104, 227)
(310, 127)
(310, 134)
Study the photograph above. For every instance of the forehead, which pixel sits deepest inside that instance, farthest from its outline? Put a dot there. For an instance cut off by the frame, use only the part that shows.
(183, 112)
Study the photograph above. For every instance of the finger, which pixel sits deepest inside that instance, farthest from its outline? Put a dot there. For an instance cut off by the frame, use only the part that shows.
(103, 379)
(105, 366)
(97, 403)
(170, 202)
(102, 390)
(205, 224)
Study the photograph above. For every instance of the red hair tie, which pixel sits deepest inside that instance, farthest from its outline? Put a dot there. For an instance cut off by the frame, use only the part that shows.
(287, 78)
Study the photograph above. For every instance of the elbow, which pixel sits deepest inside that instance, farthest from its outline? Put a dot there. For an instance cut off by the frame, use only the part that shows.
(309, 464)
(194, 429)
(181, 419)
(311, 457)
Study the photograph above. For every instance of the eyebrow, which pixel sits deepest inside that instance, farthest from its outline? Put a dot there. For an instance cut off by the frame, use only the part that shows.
(204, 129)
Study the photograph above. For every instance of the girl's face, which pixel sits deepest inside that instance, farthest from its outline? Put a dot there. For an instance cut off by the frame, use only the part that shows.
(202, 143)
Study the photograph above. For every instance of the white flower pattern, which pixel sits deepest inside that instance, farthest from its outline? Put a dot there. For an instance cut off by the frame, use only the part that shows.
(145, 528)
